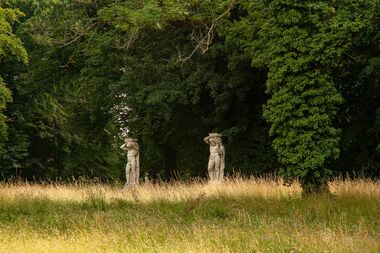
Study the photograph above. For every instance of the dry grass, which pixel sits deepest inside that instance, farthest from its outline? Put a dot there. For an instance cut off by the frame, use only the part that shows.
(179, 191)
(148, 191)
(255, 215)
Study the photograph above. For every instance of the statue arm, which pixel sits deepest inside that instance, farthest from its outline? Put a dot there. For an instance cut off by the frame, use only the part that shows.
(222, 156)
(221, 150)
(123, 146)
(138, 160)
(207, 139)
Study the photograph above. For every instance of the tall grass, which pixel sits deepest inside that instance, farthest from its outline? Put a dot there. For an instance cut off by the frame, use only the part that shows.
(254, 215)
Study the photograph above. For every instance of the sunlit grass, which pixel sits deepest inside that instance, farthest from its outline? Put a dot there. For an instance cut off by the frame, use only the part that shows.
(253, 215)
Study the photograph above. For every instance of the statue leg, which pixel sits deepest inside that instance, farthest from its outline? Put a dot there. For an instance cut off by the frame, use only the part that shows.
(221, 174)
(128, 174)
(137, 174)
(133, 173)
(217, 168)
(211, 168)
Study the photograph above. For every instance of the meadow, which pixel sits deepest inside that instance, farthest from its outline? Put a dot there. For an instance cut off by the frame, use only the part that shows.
(250, 215)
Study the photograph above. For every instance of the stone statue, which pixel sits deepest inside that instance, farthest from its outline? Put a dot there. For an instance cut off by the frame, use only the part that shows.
(132, 170)
(216, 159)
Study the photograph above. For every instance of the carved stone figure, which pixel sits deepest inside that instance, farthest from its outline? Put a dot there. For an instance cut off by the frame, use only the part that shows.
(216, 159)
(132, 170)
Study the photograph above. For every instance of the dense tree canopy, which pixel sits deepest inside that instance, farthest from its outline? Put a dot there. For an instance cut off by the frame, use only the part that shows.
(11, 50)
(293, 86)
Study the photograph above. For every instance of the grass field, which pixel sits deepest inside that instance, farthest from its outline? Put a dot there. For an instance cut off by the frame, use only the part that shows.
(255, 215)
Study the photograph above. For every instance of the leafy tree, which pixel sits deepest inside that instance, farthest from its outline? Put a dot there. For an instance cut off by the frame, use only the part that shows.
(176, 95)
(301, 43)
(10, 46)
(359, 82)
(11, 49)
(70, 112)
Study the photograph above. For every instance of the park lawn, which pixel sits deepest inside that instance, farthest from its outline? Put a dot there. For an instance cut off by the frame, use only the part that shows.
(253, 215)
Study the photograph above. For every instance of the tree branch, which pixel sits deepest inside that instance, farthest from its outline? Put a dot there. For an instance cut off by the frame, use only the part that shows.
(203, 43)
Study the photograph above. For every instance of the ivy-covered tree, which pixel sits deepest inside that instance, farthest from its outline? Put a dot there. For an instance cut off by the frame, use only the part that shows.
(301, 43)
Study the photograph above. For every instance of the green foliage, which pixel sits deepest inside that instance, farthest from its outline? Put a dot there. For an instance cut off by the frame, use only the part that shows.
(70, 111)
(359, 82)
(5, 96)
(300, 43)
(44, 141)
(9, 43)
(170, 72)
(171, 106)
(10, 46)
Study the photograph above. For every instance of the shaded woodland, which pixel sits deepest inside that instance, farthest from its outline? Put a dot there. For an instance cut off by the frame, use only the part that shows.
(293, 86)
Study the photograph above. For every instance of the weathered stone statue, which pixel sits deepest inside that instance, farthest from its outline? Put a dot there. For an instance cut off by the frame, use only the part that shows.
(216, 159)
(132, 170)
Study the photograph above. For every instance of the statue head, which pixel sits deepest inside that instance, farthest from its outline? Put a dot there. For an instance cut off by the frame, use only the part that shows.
(132, 143)
(130, 140)
(211, 135)
(215, 139)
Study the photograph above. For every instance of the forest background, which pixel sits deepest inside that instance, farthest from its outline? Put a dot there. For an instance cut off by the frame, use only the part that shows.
(293, 86)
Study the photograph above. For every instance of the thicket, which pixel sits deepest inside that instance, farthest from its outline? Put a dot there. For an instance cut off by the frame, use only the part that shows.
(292, 85)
